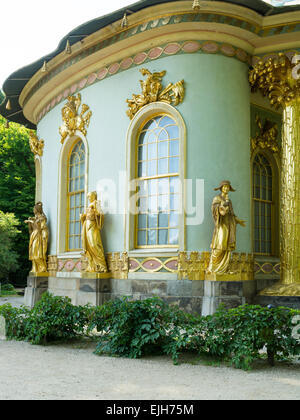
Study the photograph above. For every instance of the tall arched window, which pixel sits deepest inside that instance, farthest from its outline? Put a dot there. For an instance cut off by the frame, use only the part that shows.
(157, 173)
(263, 205)
(76, 195)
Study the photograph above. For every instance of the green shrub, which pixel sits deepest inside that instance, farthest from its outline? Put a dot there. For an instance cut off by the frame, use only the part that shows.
(15, 321)
(53, 318)
(239, 335)
(7, 289)
(136, 328)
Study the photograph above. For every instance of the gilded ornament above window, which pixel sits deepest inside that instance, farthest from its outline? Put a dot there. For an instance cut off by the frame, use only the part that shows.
(266, 138)
(36, 145)
(153, 91)
(72, 119)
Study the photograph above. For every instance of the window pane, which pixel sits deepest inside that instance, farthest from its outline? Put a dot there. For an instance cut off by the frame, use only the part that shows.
(142, 169)
(153, 187)
(162, 166)
(173, 131)
(173, 236)
(174, 148)
(142, 221)
(163, 186)
(142, 153)
(163, 149)
(152, 167)
(152, 151)
(174, 219)
(152, 204)
(153, 221)
(165, 121)
(152, 235)
(142, 237)
(163, 237)
(163, 135)
(163, 220)
(174, 185)
(163, 202)
(174, 165)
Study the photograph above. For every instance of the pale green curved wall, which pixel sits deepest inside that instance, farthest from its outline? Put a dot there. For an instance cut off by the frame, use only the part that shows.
(216, 111)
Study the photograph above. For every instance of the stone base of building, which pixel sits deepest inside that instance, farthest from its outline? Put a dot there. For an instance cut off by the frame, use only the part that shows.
(36, 286)
(287, 301)
(228, 293)
(193, 296)
(186, 294)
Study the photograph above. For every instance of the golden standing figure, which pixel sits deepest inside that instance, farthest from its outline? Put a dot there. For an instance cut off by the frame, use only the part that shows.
(224, 236)
(38, 242)
(92, 222)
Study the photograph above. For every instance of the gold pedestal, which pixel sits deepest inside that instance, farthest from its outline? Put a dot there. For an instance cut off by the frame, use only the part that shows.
(281, 289)
(87, 275)
(229, 276)
(32, 274)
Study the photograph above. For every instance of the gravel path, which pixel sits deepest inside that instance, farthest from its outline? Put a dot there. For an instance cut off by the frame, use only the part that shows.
(73, 372)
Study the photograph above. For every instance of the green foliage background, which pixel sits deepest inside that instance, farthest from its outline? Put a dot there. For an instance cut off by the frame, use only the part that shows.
(8, 233)
(17, 188)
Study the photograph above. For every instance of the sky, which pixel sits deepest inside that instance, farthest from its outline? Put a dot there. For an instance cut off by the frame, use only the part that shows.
(31, 29)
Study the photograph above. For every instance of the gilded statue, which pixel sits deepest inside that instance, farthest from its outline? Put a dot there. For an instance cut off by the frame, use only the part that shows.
(38, 242)
(92, 223)
(224, 236)
(152, 91)
(72, 119)
(36, 145)
(267, 136)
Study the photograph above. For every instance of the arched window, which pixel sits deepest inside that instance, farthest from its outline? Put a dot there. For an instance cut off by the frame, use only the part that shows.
(158, 191)
(263, 205)
(76, 195)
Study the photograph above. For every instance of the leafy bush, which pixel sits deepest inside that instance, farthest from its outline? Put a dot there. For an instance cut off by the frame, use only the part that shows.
(15, 321)
(53, 318)
(135, 328)
(7, 289)
(239, 335)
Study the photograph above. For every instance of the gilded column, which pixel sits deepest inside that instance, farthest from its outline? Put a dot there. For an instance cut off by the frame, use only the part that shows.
(277, 79)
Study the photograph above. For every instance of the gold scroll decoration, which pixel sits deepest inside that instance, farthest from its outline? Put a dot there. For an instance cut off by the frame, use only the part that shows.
(193, 267)
(118, 264)
(36, 145)
(266, 137)
(73, 118)
(153, 91)
(277, 78)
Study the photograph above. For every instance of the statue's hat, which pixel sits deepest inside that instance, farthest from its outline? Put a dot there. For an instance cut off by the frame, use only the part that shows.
(224, 183)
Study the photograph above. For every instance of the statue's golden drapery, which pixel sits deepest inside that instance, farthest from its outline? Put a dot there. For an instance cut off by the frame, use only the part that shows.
(38, 242)
(92, 222)
(224, 236)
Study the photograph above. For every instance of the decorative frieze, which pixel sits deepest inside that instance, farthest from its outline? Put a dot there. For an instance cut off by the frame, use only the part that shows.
(118, 264)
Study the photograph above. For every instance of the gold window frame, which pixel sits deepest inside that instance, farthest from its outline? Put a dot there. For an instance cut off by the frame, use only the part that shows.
(156, 177)
(274, 165)
(74, 193)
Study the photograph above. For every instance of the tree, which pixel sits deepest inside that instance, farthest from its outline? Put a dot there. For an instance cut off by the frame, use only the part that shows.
(8, 255)
(17, 184)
